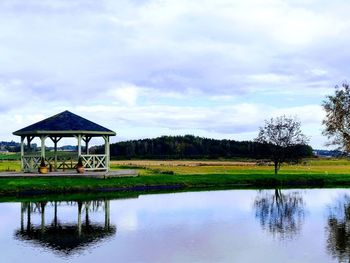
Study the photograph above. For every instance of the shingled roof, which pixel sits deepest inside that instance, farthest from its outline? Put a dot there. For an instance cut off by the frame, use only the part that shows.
(66, 124)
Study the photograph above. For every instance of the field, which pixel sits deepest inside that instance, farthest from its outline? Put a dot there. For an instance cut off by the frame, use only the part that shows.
(10, 166)
(186, 175)
(307, 167)
(188, 167)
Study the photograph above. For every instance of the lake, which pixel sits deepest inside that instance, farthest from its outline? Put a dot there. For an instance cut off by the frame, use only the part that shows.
(211, 226)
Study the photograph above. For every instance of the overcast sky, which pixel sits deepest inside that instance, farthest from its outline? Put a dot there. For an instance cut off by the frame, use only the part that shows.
(213, 68)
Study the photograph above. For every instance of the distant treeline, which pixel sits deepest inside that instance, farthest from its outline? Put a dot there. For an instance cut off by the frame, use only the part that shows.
(10, 146)
(192, 147)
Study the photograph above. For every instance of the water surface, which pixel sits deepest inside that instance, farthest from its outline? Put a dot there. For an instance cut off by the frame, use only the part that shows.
(212, 226)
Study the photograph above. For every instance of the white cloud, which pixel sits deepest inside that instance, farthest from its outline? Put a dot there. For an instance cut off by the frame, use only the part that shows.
(216, 66)
(126, 93)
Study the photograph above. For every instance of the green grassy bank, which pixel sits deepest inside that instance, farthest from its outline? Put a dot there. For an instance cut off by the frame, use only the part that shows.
(15, 186)
(186, 176)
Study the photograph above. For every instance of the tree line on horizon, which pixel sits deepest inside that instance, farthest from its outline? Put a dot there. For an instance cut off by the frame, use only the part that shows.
(194, 147)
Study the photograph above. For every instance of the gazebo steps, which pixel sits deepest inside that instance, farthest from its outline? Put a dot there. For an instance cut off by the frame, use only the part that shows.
(92, 174)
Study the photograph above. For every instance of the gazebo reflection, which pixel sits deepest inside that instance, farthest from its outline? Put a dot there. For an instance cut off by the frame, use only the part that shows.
(65, 237)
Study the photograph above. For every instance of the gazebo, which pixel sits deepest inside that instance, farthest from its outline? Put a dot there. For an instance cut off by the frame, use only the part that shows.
(64, 124)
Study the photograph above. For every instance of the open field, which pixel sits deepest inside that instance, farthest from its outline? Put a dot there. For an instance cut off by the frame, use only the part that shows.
(10, 166)
(10, 156)
(187, 175)
(311, 166)
(151, 167)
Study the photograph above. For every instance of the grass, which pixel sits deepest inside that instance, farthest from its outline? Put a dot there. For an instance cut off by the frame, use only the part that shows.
(186, 175)
(308, 167)
(10, 156)
(10, 166)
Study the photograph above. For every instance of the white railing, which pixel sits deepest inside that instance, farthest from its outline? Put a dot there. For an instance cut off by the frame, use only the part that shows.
(95, 161)
(31, 163)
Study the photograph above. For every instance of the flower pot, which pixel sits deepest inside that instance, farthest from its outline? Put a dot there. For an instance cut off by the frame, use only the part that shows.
(43, 169)
(80, 169)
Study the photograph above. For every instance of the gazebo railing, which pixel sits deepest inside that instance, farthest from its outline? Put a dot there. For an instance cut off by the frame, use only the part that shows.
(63, 162)
(91, 162)
(31, 163)
(95, 161)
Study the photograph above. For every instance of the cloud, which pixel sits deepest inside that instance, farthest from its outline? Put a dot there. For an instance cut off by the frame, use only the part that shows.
(126, 93)
(219, 66)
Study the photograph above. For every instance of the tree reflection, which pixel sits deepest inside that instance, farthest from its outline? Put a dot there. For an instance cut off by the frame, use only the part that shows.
(282, 214)
(338, 228)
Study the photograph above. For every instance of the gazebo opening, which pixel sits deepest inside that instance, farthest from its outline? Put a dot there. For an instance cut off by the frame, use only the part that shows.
(64, 125)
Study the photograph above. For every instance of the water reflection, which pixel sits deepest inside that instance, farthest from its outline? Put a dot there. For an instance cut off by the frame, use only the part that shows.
(338, 229)
(281, 213)
(65, 237)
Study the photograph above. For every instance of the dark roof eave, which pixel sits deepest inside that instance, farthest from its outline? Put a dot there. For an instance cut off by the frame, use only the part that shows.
(64, 133)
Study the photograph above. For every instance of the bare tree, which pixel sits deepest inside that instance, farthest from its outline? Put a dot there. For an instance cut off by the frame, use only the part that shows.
(283, 136)
(337, 121)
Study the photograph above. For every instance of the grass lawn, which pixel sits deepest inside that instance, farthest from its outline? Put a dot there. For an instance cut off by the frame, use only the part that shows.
(308, 167)
(10, 166)
(10, 156)
(187, 175)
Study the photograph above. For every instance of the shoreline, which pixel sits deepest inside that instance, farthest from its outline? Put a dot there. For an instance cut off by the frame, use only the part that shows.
(27, 187)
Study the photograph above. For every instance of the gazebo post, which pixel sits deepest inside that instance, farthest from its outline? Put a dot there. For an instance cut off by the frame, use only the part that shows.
(43, 146)
(107, 151)
(28, 143)
(55, 151)
(79, 145)
(55, 140)
(86, 139)
(22, 152)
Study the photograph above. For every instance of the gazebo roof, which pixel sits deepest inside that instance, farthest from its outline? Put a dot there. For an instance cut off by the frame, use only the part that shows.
(65, 124)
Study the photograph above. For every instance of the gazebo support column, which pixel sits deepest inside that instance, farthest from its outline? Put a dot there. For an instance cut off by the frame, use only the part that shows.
(86, 139)
(22, 152)
(79, 144)
(55, 140)
(29, 140)
(43, 138)
(106, 138)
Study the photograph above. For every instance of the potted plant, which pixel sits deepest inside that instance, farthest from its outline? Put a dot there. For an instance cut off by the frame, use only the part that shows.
(42, 168)
(80, 167)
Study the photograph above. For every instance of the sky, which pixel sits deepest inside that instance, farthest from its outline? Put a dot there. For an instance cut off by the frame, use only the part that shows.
(212, 68)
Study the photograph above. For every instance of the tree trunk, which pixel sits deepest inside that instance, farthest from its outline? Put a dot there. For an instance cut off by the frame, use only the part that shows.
(276, 167)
